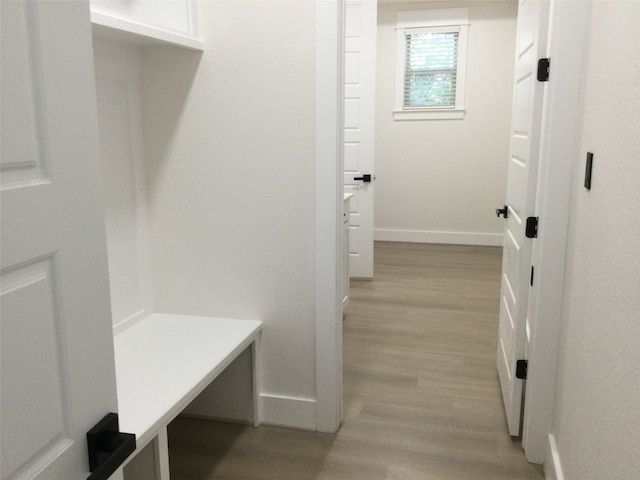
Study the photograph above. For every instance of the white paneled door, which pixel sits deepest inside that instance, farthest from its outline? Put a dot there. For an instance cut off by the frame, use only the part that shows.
(58, 375)
(520, 203)
(359, 112)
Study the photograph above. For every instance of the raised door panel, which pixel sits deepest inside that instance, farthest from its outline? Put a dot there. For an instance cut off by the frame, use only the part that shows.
(359, 90)
(33, 431)
(57, 365)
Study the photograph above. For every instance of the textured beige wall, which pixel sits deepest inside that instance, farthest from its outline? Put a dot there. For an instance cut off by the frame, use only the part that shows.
(597, 408)
(448, 175)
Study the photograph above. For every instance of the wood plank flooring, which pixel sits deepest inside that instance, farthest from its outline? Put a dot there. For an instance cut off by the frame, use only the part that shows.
(421, 394)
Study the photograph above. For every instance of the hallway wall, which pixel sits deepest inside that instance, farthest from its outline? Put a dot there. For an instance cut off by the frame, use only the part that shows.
(441, 180)
(596, 427)
(230, 142)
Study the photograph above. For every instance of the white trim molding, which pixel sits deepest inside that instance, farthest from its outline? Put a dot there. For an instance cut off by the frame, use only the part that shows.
(328, 219)
(446, 17)
(290, 412)
(567, 30)
(436, 114)
(429, 236)
(553, 466)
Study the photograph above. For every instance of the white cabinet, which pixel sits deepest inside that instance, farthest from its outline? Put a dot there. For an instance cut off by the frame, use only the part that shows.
(148, 22)
(345, 248)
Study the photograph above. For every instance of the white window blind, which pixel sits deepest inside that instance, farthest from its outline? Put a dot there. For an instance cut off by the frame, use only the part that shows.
(430, 73)
(431, 62)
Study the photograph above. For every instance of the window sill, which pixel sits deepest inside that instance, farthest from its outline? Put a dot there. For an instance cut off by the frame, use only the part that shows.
(457, 114)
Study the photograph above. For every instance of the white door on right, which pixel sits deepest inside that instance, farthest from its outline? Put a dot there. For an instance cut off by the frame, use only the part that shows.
(359, 113)
(520, 203)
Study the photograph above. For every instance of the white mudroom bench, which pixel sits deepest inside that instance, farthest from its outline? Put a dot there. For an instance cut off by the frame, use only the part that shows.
(165, 361)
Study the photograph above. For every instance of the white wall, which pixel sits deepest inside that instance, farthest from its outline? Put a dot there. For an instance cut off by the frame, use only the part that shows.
(596, 426)
(230, 146)
(441, 180)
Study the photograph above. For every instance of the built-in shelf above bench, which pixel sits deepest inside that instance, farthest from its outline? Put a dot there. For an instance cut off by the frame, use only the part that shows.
(131, 31)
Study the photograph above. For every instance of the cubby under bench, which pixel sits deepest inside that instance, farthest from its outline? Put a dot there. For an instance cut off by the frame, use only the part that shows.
(164, 362)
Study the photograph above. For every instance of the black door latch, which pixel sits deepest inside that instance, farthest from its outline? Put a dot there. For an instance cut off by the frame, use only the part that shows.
(108, 447)
(365, 178)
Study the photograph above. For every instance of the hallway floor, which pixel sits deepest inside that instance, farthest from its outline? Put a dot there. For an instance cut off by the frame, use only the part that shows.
(421, 394)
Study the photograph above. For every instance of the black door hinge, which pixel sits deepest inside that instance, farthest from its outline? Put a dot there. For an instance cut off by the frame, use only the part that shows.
(531, 228)
(543, 69)
(521, 369)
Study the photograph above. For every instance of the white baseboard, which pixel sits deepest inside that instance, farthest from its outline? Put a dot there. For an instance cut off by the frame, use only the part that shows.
(427, 236)
(289, 412)
(129, 322)
(552, 465)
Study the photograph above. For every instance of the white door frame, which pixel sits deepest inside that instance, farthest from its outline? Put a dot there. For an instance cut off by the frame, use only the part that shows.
(567, 30)
(329, 200)
(561, 115)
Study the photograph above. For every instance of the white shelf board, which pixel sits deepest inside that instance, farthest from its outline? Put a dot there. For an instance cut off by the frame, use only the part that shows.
(164, 361)
(116, 28)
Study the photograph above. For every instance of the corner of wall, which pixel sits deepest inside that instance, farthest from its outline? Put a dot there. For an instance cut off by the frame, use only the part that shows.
(552, 464)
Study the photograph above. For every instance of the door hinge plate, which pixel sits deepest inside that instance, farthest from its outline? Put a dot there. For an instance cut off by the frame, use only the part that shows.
(521, 369)
(544, 65)
(531, 228)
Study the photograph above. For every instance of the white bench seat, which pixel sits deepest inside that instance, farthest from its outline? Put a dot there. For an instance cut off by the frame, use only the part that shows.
(164, 361)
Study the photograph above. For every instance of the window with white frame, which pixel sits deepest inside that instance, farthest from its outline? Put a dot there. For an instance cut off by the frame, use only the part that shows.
(431, 56)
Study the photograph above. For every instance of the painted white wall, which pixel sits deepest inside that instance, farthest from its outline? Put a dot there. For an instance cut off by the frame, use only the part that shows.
(596, 426)
(230, 154)
(441, 180)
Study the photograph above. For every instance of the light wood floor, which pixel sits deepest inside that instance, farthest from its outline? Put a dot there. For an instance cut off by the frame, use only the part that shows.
(421, 395)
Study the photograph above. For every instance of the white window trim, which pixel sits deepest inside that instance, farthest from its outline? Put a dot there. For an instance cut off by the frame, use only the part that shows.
(419, 19)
